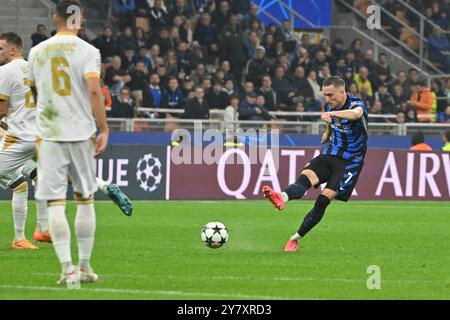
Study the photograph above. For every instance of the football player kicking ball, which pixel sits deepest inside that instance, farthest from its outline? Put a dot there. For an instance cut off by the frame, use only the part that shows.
(340, 163)
(66, 73)
(17, 146)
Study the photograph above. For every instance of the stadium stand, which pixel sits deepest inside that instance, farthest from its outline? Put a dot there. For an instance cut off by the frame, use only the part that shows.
(161, 51)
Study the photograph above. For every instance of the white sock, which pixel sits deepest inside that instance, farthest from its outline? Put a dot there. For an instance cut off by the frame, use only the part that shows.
(85, 230)
(42, 215)
(20, 210)
(101, 185)
(285, 197)
(60, 231)
(296, 237)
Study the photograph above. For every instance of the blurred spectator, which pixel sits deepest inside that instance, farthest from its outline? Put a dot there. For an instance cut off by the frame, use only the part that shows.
(106, 43)
(337, 49)
(383, 66)
(380, 78)
(422, 101)
(439, 49)
(324, 73)
(40, 35)
(411, 115)
(173, 97)
(257, 67)
(400, 98)
(126, 40)
(283, 86)
(412, 79)
(270, 96)
(128, 59)
(348, 77)
(446, 140)
(368, 100)
(368, 61)
(376, 110)
(124, 10)
(249, 110)
(180, 9)
(162, 39)
(199, 74)
(353, 89)
(143, 56)
(152, 94)
(401, 119)
(314, 101)
(217, 98)
(418, 142)
(362, 80)
(206, 34)
(222, 15)
(185, 58)
(123, 106)
(230, 88)
(356, 48)
(386, 99)
(158, 16)
(250, 16)
(197, 108)
(230, 115)
(138, 82)
(115, 76)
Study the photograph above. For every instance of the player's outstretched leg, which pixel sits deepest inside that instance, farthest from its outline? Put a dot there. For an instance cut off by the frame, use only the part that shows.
(295, 191)
(85, 230)
(117, 196)
(20, 212)
(309, 222)
(60, 231)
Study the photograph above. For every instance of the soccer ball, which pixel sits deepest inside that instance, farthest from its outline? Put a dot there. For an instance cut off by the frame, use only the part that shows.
(149, 173)
(214, 235)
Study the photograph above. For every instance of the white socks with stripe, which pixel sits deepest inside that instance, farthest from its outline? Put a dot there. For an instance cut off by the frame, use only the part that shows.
(60, 231)
(20, 210)
(42, 215)
(85, 224)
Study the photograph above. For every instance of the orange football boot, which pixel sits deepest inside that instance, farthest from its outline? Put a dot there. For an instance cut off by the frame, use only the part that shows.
(42, 236)
(24, 244)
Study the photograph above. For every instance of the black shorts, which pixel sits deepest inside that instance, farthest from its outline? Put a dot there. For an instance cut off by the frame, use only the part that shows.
(341, 175)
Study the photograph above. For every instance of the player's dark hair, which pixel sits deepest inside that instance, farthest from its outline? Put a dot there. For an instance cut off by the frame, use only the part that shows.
(417, 138)
(334, 81)
(12, 38)
(63, 5)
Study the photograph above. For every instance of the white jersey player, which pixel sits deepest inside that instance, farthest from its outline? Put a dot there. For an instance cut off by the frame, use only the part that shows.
(17, 147)
(66, 73)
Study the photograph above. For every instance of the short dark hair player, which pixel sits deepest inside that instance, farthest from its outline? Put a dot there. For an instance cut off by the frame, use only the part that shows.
(340, 163)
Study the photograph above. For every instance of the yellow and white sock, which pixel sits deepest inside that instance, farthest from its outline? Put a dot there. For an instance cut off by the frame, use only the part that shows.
(60, 231)
(85, 224)
(20, 210)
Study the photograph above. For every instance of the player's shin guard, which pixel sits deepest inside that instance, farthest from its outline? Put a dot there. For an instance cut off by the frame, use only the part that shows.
(314, 216)
(60, 231)
(42, 215)
(299, 188)
(85, 224)
(20, 207)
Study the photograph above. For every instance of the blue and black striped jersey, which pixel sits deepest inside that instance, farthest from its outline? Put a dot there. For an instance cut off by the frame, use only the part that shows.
(349, 138)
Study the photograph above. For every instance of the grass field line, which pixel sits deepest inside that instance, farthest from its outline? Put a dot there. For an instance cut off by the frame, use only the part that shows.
(150, 292)
(249, 278)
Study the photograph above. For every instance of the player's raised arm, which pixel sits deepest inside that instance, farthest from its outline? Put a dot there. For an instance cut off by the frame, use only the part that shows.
(98, 108)
(352, 115)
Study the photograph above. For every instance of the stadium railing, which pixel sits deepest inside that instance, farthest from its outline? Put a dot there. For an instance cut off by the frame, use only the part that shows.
(284, 126)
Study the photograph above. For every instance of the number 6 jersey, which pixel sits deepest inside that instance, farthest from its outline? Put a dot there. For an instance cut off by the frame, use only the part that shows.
(59, 68)
(14, 89)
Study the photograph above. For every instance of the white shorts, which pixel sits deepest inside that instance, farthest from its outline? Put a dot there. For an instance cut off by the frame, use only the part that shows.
(57, 161)
(14, 153)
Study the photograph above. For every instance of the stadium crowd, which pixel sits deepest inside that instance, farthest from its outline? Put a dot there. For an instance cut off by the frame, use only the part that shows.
(199, 55)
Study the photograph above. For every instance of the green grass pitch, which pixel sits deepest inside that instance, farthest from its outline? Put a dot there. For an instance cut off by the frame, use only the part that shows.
(157, 253)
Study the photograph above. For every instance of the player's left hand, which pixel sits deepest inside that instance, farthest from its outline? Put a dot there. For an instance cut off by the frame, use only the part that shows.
(101, 144)
(326, 116)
